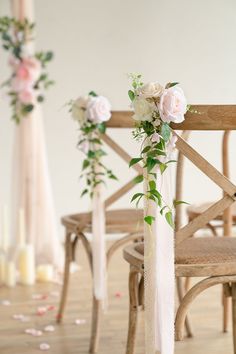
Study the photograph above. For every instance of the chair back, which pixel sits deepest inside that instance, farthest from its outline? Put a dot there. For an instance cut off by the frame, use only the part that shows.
(209, 117)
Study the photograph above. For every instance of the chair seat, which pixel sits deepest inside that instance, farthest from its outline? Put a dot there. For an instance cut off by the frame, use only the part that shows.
(117, 221)
(196, 209)
(205, 256)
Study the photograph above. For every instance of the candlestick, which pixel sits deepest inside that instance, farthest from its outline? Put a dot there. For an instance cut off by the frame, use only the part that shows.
(21, 228)
(2, 268)
(44, 272)
(10, 274)
(27, 265)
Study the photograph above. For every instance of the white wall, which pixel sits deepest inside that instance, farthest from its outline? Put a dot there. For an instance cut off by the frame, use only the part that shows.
(96, 44)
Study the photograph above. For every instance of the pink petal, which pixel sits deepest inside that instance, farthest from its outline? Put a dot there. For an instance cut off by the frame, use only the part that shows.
(44, 346)
(51, 308)
(55, 293)
(37, 333)
(5, 303)
(79, 322)
(30, 330)
(18, 317)
(49, 328)
(118, 294)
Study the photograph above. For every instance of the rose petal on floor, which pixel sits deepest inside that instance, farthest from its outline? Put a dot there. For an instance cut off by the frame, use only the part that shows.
(44, 346)
(51, 307)
(41, 311)
(30, 330)
(49, 328)
(18, 317)
(118, 294)
(80, 321)
(5, 302)
(37, 333)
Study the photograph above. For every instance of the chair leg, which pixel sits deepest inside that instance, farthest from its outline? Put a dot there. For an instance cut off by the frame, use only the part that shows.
(95, 330)
(68, 257)
(234, 314)
(180, 297)
(226, 312)
(133, 310)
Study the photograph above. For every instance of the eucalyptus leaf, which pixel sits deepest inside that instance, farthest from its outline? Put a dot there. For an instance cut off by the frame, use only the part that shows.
(165, 132)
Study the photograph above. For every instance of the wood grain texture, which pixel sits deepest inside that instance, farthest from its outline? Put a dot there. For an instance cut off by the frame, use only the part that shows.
(210, 117)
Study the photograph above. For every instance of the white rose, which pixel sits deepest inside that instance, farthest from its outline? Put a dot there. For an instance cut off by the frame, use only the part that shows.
(150, 90)
(79, 108)
(143, 110)
(173, 105)
(98, 109)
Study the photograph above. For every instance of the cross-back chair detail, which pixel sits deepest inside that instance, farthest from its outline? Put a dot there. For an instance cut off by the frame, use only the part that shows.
(126, 157)
(215, 269)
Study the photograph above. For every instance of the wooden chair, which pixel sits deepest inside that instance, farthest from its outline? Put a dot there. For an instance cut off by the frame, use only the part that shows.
(122, 221)
(224, 220)
(211, 258)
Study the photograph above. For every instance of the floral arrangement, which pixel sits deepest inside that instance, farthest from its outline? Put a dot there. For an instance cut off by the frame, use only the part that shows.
(155, 107)
(29, 78)
(92, 112)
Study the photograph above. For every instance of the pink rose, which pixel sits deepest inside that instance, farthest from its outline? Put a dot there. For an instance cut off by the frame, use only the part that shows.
(27, 73)
(26, 96)
(173, 105)
(98, 109)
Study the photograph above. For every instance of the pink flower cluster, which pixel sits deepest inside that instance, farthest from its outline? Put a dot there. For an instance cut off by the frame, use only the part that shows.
(26, 73)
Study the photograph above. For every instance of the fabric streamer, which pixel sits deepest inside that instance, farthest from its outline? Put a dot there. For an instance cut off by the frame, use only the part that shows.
(159, 273)
(99, 246)
(31, 182)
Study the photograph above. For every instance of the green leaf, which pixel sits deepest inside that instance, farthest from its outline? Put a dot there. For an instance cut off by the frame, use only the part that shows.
(93, 94)
(146, 149)
(131, 95)
(102, 128)
(138, 179)
(96, 141)
(134, 161)
(151, 163)
(149, 219)
(40, 98)
(152, 185)
(163, 167)
(165, 131)
(162, 209)
(86, 163)
(91, 154)
(48, 56)
(178, 202)
(171, 84)
(135, 196)
(84, 192)
(169, 218)
(157, 195)
(28, 108)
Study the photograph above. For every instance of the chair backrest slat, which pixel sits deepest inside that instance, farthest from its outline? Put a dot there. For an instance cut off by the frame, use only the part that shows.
(209, 117)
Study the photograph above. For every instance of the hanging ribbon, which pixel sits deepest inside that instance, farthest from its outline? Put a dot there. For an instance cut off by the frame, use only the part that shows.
(159, 273)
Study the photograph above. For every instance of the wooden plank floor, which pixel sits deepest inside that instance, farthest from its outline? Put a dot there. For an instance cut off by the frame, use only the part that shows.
(70, 338)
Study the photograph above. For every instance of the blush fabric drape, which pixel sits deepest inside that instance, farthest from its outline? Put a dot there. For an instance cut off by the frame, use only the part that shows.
(159, 274)
(31, 181)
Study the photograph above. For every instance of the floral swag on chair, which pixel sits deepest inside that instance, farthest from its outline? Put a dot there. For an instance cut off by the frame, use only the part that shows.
(155, 107)
(92, 112)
